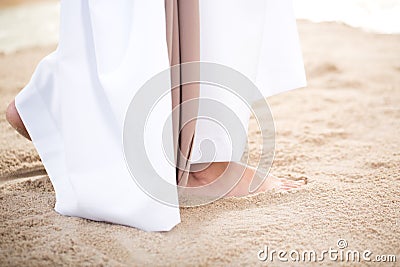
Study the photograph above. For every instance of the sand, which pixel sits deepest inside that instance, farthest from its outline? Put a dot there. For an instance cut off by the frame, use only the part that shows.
(343, 132)
(10, 3)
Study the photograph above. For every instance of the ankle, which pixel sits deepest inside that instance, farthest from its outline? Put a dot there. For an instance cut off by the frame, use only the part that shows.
(200, 176)
(208, 172)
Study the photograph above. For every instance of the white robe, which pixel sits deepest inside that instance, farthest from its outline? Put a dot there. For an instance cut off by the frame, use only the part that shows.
(75, 104)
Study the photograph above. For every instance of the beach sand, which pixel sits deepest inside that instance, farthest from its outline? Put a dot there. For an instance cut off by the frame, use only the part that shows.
(343, 132)
(11, 3)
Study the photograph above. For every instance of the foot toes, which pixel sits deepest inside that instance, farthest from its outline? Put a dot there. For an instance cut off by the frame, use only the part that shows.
(288, 184)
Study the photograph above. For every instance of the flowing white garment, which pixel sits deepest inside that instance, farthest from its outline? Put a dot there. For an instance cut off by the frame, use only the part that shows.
(75, 104)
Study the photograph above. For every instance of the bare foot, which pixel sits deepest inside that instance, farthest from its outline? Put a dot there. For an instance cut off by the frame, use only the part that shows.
(15, 121)
(230, 172)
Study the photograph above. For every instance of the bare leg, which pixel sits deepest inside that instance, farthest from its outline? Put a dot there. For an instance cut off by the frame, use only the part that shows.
(15, 120)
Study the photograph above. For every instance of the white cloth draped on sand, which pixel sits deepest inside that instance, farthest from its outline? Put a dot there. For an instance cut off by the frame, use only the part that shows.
(75, 104)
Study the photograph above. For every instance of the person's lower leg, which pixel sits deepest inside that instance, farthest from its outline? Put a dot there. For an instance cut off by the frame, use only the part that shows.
(15, 120)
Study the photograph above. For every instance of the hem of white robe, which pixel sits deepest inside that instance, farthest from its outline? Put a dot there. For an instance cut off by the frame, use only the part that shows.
(47, 140)
(49, 145)
(223, 148)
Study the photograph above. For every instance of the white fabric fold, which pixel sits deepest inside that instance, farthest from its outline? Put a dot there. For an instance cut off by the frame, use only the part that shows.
(75, 103)
(257, 38)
